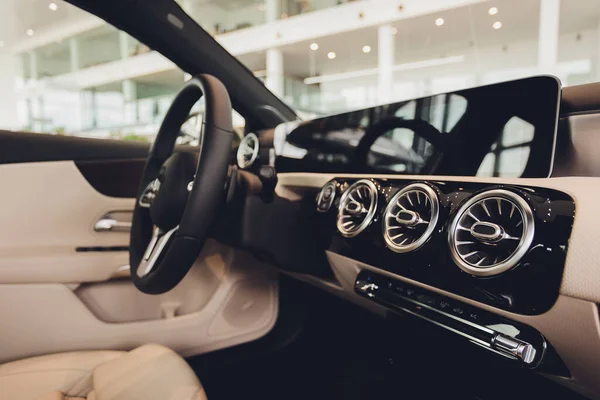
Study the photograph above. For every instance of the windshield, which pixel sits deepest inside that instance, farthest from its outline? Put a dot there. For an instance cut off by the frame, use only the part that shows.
(329, 56)
(65, 71)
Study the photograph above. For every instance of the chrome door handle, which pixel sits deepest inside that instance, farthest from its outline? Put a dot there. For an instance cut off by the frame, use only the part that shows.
(109, 224)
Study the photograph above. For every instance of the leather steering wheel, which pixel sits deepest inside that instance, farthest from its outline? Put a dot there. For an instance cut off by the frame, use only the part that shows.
(180, 192)
(421, 129)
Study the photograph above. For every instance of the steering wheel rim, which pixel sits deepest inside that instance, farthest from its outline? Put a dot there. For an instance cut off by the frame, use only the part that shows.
(421, 128)
(170, 225)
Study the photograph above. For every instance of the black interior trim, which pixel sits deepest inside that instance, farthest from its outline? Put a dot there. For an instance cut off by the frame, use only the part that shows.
(580, 99)
(114, 178)
(196, 51)
(21, 147)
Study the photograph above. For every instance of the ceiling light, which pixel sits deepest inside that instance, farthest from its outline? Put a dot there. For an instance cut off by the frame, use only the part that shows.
(29, 32)
(1, 43)
(394, 31)
(439, 21)
(497, 25)
(493, 11)
(331, 55)
(314, 46)
(53, 6)
(366, 49)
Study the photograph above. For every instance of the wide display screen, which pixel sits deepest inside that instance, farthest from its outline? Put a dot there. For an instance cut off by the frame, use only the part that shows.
(504, 130)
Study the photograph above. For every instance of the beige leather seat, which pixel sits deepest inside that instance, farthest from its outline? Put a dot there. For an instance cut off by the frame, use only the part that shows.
(150, 372)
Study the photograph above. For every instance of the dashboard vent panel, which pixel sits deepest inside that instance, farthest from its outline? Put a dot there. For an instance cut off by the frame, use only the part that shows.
(357, 208)
(491, 232)
(410, 218)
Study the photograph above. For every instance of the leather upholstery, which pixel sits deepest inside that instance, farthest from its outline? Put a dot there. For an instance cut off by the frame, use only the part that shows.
(150, 372)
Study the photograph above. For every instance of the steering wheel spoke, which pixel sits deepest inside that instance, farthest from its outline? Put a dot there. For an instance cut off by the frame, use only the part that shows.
(158, 244)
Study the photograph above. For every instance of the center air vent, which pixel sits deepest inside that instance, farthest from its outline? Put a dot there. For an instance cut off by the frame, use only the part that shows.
(410, 218)
(491, 232)
(357, 208)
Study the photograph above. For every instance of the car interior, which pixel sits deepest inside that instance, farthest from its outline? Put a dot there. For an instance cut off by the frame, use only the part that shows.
(363, 255)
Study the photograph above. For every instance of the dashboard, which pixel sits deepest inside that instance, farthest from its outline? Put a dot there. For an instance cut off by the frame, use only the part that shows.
(503, 258)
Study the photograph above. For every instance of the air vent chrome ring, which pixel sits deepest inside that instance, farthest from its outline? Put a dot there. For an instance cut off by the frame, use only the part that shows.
(491, 232)
(247, 151)
(357, 208)
(410, 218)
(326, 196)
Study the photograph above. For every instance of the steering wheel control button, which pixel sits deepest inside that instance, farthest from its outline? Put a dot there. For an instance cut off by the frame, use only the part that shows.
(149, 194)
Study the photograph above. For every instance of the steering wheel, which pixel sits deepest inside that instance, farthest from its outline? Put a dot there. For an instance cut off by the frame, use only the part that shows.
(180, 192)
(421, 129)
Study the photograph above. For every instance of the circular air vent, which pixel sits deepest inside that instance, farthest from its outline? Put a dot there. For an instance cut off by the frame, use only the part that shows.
(491, 232)
(326, 196)
(357, 208)
(410, 218)
(248, 151)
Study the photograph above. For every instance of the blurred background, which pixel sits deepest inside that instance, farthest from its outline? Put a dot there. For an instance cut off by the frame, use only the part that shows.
(64, 71)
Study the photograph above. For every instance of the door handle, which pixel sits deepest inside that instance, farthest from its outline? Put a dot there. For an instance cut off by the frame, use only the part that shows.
(109, 224)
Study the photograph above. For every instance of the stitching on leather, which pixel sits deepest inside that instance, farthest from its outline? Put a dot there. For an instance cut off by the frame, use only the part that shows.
(85, 389)
(37, 371)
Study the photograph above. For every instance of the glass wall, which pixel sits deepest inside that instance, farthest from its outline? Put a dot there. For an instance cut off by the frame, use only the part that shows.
(59, 89)
(96, 47)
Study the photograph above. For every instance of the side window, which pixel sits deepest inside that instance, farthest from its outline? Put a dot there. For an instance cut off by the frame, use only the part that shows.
(99, 82)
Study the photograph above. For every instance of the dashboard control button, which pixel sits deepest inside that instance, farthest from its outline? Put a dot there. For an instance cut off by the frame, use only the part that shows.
(473, 316)
(401, 290)
(458, 311)
(444, 305)
(425, 299)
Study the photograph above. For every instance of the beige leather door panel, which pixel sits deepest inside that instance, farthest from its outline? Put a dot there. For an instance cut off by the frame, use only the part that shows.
(48, 210)
(55, 298)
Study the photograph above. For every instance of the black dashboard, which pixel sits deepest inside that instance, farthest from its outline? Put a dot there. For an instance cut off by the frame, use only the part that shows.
(500, 245)
(502, 130)
(447, 236)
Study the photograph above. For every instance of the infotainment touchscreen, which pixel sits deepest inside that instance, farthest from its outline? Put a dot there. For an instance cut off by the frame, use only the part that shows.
(506, 129)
